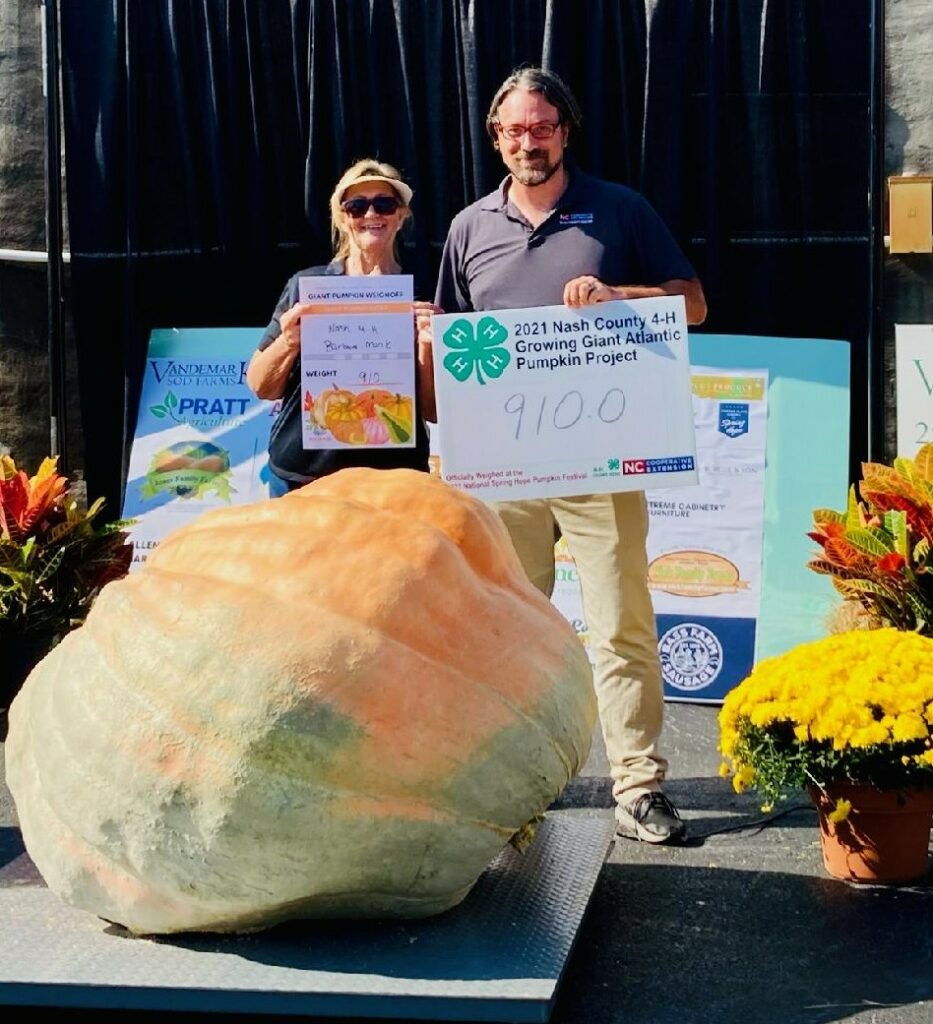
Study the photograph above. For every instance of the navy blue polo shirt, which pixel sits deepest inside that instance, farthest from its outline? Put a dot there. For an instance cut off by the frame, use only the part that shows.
(495, 259)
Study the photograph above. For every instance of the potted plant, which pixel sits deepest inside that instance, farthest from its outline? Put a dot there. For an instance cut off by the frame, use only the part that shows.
(878, 551)
(54, 559)
(849, 717)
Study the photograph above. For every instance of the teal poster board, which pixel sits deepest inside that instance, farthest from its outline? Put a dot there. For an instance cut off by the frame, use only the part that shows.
(807, 455)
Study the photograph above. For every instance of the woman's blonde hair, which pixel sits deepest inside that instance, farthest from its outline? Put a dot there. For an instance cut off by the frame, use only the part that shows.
(362, 169)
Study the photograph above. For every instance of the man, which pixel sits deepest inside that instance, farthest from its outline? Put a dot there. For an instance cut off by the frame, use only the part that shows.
(552, 234)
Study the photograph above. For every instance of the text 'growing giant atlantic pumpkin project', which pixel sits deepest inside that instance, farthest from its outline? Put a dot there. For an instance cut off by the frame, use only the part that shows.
(343, 702)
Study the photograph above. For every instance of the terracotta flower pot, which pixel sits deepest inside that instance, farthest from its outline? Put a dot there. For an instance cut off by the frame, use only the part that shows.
(885, 838)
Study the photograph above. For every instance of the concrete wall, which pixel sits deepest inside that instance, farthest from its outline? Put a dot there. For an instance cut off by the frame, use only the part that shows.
(24, 383)
(24, 411)
(908, 149)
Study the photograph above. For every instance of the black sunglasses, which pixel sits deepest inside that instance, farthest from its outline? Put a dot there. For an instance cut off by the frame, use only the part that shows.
(383, 205)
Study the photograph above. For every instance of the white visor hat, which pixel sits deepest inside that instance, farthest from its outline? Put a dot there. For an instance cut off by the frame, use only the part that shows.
(403, 191)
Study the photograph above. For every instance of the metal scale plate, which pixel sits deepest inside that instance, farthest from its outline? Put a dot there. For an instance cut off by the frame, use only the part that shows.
(497, 957)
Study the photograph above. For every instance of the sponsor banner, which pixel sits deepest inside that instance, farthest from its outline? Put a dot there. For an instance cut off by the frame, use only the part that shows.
(550, 401)
(202, 436)
(704, 544)
(703, 658)
(358, 362)
(913, 348)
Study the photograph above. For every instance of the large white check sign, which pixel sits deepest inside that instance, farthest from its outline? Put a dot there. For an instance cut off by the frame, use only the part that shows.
(553, 401)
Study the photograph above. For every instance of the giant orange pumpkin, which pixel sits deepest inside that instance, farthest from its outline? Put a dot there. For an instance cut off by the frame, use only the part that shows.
(342, 702)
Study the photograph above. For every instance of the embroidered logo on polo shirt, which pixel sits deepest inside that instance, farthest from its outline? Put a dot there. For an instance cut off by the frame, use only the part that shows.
(576, 218)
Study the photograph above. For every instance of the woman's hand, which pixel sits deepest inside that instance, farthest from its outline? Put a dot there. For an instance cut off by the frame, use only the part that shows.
(269, 368)
(290, 322)
(423, 314)
(424, 348)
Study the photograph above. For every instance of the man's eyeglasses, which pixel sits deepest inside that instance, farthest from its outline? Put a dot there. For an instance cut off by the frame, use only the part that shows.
(543, 130)
(357, 207)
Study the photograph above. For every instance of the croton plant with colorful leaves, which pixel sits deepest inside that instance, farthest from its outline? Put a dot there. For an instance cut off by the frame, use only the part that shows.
(54, 556)
(878, 551)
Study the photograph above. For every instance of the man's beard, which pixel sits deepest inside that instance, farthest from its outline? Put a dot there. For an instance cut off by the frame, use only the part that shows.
(530, 176)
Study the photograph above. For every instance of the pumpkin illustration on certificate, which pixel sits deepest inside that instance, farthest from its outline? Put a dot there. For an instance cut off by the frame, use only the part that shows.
(358, 362)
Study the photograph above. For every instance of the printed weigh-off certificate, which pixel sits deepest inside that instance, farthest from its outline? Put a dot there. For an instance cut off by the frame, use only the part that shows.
(358, 362)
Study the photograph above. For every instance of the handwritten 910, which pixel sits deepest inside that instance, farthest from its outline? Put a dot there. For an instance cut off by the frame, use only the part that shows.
(564, 412)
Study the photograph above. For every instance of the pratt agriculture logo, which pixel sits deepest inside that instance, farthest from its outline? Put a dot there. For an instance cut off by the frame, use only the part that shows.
(476, 351)
(205, 412)
(691, 657)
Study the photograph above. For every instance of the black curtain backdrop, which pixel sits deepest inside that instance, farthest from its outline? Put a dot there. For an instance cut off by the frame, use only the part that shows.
(203, 138)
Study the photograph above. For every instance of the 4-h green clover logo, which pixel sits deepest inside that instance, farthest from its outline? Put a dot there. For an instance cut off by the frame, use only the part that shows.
(479, 350)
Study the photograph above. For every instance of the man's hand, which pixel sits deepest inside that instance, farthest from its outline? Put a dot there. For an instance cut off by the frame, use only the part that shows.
(587, 291)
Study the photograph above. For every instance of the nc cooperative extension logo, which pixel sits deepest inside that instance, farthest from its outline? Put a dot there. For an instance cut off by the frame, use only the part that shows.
(691, 657)
(476, 351)
(672, 464)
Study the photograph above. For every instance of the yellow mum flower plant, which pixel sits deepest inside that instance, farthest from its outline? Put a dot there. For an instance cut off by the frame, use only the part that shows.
(855, 707)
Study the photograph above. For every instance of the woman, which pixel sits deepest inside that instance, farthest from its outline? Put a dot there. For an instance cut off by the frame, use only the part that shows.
(368, 208)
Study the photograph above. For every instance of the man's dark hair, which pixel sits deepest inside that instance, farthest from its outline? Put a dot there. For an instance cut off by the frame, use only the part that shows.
(533, 79)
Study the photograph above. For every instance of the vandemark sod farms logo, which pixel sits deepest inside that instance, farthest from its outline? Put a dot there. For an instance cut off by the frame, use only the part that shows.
(476, 350)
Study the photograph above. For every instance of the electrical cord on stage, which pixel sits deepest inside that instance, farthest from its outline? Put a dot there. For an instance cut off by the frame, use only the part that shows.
(758, 824)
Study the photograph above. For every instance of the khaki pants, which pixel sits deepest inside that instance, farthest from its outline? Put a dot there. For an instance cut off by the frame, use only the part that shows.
(606, 535)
